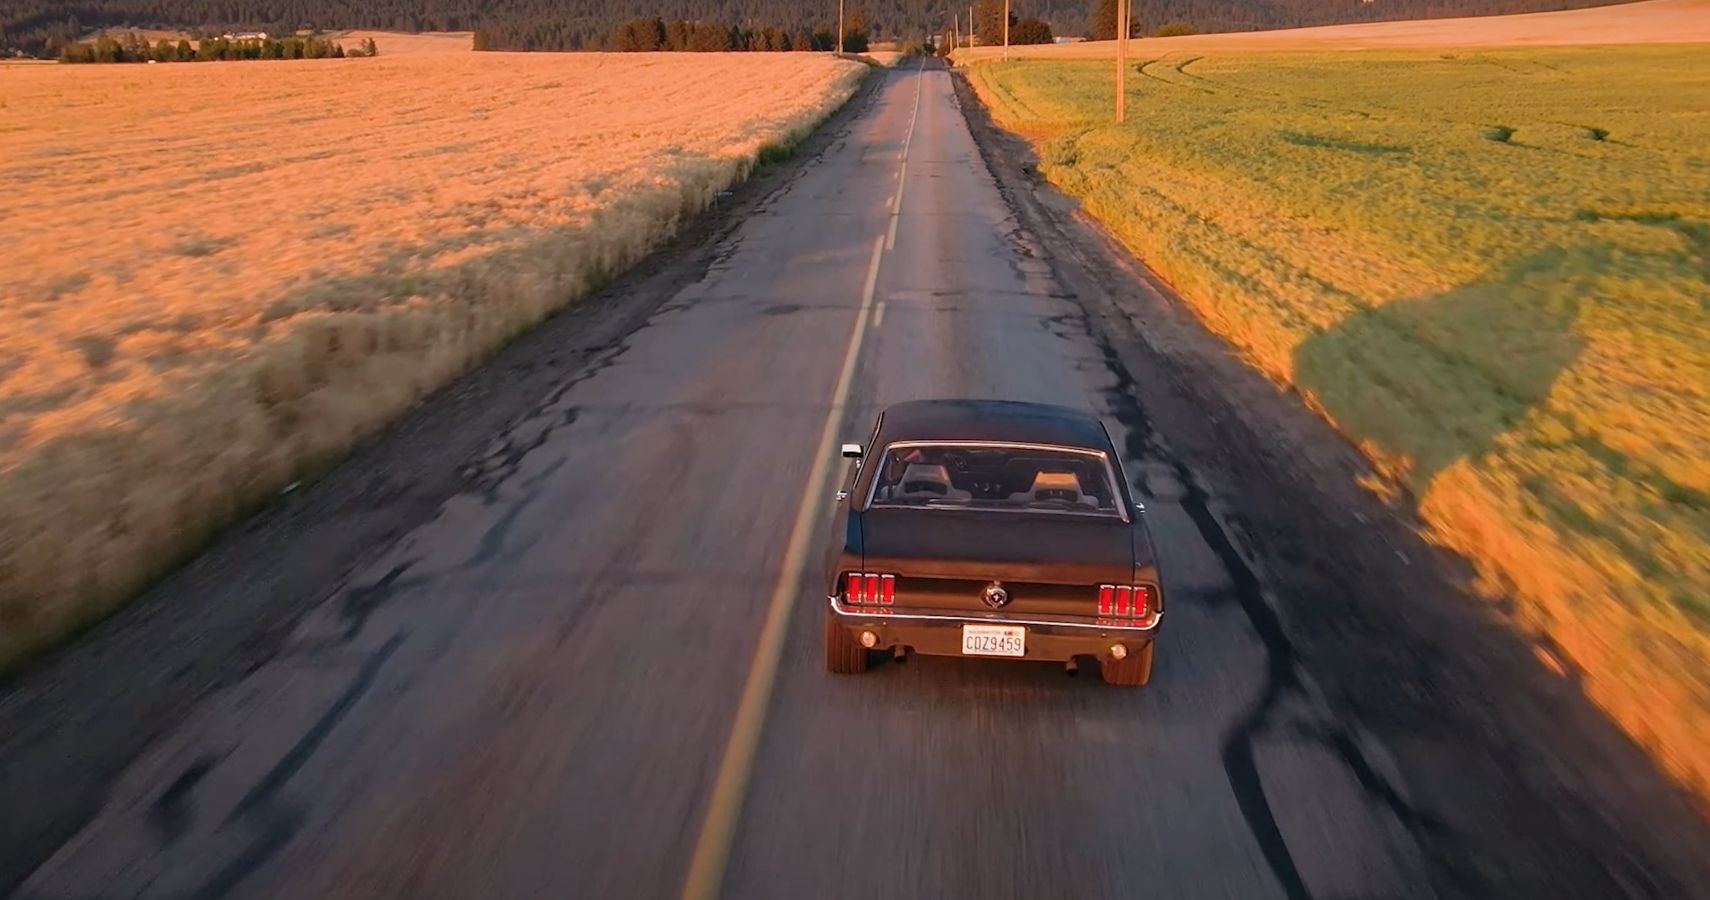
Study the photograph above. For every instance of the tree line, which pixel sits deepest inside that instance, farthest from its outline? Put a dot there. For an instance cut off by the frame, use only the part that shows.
(642, 35)
(655, 34)
(44, 27)
(988, 25)
(134, 49)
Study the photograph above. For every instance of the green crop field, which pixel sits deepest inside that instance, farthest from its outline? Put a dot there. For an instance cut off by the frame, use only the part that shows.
(1491, 270)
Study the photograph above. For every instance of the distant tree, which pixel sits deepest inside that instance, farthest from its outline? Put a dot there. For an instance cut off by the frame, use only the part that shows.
(1030, 31)
(855, 30)
(1175, 29)
(823, 39)
(622, 39)
(801, 40)
(184, 52)
(988, 22)
(677, 35)
(855, 42)
(1102, 25)
(640, 36)
(707, 37)
(369, 48)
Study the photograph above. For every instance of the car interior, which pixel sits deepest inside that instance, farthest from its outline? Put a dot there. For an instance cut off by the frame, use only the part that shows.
(993, 477)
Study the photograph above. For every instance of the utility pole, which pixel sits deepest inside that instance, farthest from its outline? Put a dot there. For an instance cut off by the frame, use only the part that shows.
(1122, 13)
(973, 32)
(1006, 29)
(839, 27)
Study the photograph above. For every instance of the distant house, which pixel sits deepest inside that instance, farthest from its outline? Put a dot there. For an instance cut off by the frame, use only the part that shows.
(245, 35)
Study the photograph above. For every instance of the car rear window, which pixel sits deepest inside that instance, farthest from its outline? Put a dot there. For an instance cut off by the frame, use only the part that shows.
(995, 476)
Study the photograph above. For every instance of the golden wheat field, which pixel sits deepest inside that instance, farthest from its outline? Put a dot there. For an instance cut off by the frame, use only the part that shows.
(220, 275)
(1491, 271)
(1645, 22)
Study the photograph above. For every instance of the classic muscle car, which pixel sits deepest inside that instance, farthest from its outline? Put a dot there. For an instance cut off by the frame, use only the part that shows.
(991, 529)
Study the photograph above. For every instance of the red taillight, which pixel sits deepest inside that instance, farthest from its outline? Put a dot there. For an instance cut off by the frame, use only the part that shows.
(1126, 601)
(869, 588)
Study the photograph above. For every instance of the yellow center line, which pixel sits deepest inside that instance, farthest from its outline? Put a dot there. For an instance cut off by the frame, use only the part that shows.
(730, 786)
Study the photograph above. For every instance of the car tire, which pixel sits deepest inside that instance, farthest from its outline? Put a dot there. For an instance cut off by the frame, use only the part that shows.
(1133, 671)
(843, 654)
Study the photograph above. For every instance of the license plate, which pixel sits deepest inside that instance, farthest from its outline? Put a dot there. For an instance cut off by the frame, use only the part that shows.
(994, 640)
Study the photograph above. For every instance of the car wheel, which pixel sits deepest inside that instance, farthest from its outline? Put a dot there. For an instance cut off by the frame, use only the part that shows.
(1135, 670)
(843, 654)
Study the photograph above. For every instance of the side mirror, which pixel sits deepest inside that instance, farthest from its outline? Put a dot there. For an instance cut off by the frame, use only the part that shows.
(851, 451)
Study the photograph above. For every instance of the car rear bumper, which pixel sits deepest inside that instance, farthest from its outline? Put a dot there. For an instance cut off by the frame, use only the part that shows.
(940, 634)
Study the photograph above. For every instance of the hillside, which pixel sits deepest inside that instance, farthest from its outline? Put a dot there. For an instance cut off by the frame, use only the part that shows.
(38, 26)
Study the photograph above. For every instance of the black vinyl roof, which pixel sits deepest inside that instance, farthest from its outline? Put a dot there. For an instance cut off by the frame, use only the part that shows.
(993, 420)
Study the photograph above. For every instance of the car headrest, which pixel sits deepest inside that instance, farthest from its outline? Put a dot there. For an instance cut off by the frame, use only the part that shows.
(924, 478)
(1056, 486)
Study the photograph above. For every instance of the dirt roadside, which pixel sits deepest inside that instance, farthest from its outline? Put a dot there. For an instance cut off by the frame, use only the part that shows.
(75, 719)
(1513, 783)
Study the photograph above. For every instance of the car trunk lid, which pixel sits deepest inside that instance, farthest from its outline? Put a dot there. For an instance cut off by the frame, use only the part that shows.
(1047, 564)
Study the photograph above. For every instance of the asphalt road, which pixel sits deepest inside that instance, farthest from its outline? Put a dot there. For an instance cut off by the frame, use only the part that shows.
(532, 691)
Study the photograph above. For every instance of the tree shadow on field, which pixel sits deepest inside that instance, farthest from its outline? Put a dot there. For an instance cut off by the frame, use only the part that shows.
(1436, 379)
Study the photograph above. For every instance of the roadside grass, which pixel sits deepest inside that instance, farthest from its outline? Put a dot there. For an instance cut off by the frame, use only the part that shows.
(175, 350)
(1491, 271)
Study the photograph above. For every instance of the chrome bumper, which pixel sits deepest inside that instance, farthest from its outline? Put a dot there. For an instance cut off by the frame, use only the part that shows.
(940, 634)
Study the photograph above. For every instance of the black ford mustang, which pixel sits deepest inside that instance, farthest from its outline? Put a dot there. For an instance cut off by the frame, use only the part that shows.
(991, 528)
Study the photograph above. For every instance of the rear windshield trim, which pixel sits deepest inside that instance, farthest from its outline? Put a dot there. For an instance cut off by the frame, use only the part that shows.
(1116, 485)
